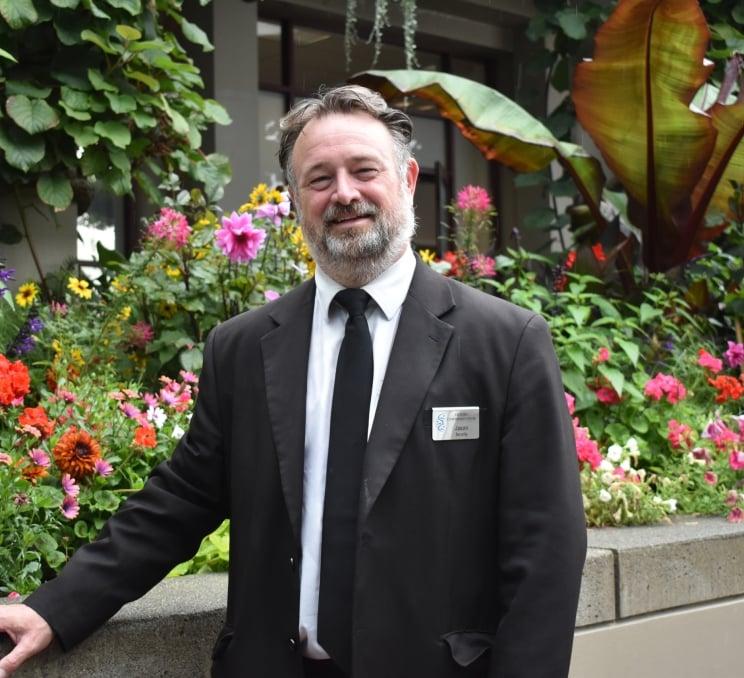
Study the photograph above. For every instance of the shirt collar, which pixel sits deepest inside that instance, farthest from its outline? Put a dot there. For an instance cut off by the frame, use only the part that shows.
(388, 290)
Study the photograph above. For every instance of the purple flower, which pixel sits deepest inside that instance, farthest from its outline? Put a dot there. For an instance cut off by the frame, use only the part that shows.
(129, 410)
(103, 468)
(35, 325)
(70, 508)
(735, 354)
(39, 457)
(70, 487)
(6, 274)
(271, 295)
(238, 239)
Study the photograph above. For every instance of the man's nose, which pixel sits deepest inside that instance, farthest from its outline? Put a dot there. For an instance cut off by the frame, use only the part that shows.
(346, 191)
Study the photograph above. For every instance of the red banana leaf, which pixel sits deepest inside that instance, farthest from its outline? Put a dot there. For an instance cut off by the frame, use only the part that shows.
(633, 99)
(501, 129)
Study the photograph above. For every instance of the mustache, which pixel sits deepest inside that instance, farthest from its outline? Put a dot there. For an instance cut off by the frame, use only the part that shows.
(361, 208)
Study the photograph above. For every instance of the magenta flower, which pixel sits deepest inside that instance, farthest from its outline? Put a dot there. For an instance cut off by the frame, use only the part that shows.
(69, 485)
(103, 468)
(603, 355)
(736, 515)
(39, 457)
(709, 362)
(129, 410)
(172, 228)
(150, 399)
(5, 459)
(189, 377)
(473, 198)
(70, 508)
(67, 396)
(665, 385)
(570, 402)
(710, 477)
(141, 334)
(271, 295)
(735, 354)
(483, 266)
(14, 597)
(58, 309)
(237, 238)
(736, 460)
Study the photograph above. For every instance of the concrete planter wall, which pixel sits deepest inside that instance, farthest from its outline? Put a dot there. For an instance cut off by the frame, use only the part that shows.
(656, 602)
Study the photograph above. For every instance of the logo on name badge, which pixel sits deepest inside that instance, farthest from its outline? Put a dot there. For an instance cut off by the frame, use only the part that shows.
(455, 423)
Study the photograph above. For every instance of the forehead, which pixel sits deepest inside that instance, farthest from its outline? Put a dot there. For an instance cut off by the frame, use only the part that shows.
(340, 136)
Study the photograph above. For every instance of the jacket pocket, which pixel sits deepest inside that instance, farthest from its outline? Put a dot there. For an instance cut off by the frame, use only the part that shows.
(466, 647)
(224, 638)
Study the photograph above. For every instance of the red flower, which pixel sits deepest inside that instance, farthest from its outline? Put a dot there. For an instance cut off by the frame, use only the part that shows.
(37, 417)
(679, 434)
(458, 263)
(14, 381)
(599, 253)
(607, 395)
(144, 436)
(76, 453)
(603, 355)
(729, 388)
(570, 260)
(709, 362)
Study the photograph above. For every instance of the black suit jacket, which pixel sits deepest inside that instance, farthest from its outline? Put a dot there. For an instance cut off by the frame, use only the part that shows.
(469, 551)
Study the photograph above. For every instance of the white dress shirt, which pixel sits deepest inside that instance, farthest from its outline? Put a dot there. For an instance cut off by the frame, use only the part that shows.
(388, 292)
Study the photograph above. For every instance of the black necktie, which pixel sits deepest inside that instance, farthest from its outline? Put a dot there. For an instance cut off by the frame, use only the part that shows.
(347, 442)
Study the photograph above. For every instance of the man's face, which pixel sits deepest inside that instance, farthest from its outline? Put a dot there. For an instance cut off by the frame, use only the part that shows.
(355, 208)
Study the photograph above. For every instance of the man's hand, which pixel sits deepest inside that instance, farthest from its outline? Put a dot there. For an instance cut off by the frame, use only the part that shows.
(28, 630)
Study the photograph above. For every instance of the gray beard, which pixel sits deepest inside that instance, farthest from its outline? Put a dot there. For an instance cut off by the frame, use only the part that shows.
(354, 259)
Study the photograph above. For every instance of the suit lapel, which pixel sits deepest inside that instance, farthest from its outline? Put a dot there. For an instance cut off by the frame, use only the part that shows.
(285, 351)
(419, 345)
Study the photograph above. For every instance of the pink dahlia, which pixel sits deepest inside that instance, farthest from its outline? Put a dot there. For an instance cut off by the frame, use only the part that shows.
(473, 198)
(483, 266)
(736, 460)
(171, 228)
(238, 239)
(665, 385)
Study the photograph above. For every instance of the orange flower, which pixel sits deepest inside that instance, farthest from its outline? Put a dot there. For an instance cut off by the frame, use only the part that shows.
(727, 387)
(33, 473)
(14, 381)
(144, 436)
(76, 453)
(37, 417)
(599, 253)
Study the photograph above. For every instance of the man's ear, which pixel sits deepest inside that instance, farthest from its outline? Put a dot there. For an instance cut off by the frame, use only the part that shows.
(412, 172)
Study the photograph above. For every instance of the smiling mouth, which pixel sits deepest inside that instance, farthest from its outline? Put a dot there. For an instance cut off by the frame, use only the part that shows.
(349, 219)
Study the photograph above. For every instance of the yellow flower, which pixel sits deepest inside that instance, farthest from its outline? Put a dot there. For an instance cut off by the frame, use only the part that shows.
(173, 272)
(246, 207)
(80, 287)
(125, 313)
(427, 256)
(119, 284)
(57, 346)
(260, 195)
(27, 294)
(76, 356)
(168, 309)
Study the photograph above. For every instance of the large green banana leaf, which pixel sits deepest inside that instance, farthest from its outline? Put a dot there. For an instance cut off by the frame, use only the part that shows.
(501, 129)
(633, 99)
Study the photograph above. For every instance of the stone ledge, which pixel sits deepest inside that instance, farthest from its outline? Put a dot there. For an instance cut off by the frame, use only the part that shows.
(628, 572)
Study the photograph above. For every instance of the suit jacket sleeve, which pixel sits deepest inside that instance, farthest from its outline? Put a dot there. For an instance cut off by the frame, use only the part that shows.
(158, 527)
(541, 534)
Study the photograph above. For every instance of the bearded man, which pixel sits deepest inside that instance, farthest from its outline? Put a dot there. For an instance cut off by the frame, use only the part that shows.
(393, 449)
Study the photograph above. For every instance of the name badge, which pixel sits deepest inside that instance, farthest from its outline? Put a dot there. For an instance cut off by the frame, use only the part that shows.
(455, 423)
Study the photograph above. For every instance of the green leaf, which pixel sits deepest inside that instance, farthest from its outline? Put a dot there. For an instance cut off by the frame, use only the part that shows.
(27, 88)
(194, 34)
(45, 543)
(121, 103)
(572, 23)
(530, 179)
(134, 7)
(648, 312)
(47, 497)
(148, 80)
(18, 13)
(128, 32)
(115, 132)
(143, 120)
(75, 99)
(119, 159)
(639, 424)
(32, 115)
(7, 55)
(106, 500)
(73, 113)
(94, 161)
(55, 559)
(97, 40)
(22, 150)
(110, 259)
(615, 377)
(99, 82)
(216, 112)
(65, 4)
(575, 382)
(580, 314)
(67, 27)
(618, 433)
(576, 354)
(180, 126)
(81, 529)
(630, 348)
(191, 360)
(54, 190)
(542, 218)
(96, 11)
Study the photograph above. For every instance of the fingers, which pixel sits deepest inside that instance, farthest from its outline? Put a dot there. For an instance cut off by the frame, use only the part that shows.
(28, 630)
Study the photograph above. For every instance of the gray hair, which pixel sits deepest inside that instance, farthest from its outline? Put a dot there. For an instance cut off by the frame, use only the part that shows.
(343, 99)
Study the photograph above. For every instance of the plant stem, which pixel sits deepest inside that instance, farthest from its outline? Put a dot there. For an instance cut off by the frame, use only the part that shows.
(27, 234)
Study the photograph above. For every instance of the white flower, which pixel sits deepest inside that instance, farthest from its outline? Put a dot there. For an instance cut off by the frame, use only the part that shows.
(671, 505)
(657, 499)
(157, 416)
(632, 446)
(607, 478)
(442, 267)
(625, 466)
(605, 465)
(615, 453)
(605, 496)
(177, 432)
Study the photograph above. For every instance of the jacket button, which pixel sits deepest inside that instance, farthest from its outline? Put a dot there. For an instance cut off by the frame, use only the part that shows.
(292, 563)
(292, 645)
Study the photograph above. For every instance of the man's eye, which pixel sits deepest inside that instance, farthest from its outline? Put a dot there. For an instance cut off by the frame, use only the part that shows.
(317, 182)
(367, 171)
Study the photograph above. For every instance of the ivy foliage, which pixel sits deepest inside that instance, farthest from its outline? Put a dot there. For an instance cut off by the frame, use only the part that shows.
(103, 91)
